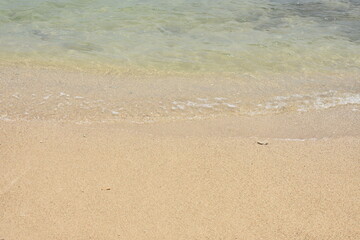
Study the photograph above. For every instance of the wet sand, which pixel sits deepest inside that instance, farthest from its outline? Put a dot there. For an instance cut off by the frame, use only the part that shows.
(180, 180)
(44, 93)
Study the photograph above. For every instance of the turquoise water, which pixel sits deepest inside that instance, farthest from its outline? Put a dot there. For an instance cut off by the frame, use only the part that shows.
(241, 36)
(177, 59)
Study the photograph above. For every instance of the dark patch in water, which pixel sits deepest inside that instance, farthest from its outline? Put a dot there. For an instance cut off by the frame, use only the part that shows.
(42, 35)
(169, 30)
(339, 18)
(83, 47)
(252, 17)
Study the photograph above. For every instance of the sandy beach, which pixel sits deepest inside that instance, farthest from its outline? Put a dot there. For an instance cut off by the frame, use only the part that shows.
(219, 179)
(193, 120)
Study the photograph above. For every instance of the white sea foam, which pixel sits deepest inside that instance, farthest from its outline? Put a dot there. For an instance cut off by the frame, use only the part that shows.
(220, 98)
(62, 94)
(81, 106)
(16, 95)
(5, 118)
(230, 105)
(47, 97)
(306, 102)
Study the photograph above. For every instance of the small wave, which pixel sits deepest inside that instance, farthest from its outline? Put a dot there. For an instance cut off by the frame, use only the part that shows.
(60, 106)
(306, 102)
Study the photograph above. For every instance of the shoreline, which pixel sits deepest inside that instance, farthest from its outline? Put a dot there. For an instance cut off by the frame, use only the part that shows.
(283, 175)
(184, 120)
(31, 93)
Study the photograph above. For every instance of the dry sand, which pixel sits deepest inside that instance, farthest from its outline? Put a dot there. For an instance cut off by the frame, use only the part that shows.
(180, 180)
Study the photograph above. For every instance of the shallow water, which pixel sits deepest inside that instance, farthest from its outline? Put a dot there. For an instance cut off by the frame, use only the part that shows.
(43, 94)
(185, 35)
(228, 57)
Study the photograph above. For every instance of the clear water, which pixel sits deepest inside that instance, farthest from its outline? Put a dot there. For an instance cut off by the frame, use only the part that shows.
(200, 58)
(186, 35)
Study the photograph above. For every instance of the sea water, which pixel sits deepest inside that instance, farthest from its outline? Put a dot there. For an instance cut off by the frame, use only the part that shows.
(229, 56)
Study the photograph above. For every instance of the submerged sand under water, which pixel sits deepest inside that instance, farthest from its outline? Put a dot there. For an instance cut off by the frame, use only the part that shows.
(204, 36)
(35, 93)
(148, 61)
